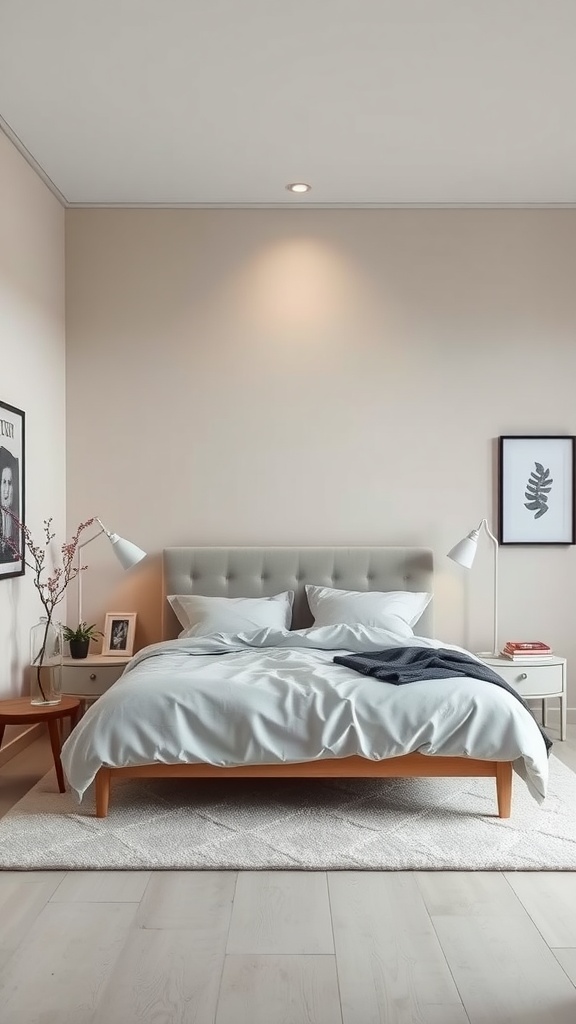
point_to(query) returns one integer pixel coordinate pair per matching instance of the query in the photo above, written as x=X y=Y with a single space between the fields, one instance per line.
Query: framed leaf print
x=536 y=489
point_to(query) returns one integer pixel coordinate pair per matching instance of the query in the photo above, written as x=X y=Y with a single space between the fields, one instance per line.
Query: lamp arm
x=79 y=568
x=484 y=524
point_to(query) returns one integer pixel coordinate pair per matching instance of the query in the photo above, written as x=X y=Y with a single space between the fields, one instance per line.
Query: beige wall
x=319 y=377
x=32 y=377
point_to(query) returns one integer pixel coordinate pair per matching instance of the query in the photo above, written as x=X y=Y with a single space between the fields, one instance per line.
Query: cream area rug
x=388 y=825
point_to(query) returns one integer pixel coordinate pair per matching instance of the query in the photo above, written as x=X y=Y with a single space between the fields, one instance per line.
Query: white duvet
x=275 y=696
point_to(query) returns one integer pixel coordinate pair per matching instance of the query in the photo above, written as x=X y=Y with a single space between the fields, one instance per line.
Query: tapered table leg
x=55 y=744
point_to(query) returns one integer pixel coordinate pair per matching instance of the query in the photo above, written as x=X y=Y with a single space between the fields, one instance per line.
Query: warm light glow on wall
x=300 y=284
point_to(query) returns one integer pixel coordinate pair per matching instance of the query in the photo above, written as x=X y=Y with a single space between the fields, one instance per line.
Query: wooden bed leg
x=504 y=788
x=103 y=779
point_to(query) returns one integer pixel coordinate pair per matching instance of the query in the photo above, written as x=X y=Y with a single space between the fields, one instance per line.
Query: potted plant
x=79 y=638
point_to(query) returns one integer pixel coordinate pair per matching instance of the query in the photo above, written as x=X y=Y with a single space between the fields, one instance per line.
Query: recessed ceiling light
x=298 y=186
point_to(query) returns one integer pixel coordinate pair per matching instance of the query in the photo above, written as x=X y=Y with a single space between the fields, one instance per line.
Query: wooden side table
x=21 y=712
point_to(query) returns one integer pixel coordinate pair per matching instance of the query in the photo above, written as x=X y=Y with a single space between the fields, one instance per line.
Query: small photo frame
x=119 y=630
x=536 y=489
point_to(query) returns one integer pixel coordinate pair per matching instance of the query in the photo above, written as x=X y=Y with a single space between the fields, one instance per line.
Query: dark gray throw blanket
x=401 y=665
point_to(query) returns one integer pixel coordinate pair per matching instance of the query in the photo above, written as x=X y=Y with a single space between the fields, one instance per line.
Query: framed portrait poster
x=119 y=630
x=12 y=478
x=536 y=490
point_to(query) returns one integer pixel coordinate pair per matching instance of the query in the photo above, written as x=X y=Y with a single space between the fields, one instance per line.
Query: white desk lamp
x=127 y=553
x=464 y=554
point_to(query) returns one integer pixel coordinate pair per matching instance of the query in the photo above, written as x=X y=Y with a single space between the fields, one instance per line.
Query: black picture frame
x=536 y=489
x=12 y=485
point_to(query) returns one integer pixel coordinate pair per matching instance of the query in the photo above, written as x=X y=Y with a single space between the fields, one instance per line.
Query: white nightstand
x=88 y=678
x=535 y=681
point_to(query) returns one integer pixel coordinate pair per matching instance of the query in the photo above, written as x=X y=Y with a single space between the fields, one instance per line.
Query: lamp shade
x=127 y=553
x=464 y=552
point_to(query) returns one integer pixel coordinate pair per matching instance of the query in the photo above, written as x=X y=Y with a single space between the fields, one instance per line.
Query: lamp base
x=487 y=654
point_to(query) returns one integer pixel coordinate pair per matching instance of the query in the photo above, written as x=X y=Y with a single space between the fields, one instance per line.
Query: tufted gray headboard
x=261 y=572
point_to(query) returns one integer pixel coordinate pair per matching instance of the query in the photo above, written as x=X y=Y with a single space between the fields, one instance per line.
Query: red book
x=527 y=646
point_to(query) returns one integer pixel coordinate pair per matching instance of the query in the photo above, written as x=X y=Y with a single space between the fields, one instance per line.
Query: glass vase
x=45 y=662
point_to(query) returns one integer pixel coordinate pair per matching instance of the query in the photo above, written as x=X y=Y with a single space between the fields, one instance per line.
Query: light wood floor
x=283 y=947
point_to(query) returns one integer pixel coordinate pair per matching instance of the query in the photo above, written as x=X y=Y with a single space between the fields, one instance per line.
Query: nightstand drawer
x=532 y=680
x=89 y=680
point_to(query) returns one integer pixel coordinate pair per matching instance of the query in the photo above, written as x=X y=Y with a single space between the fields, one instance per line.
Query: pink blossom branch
x=50 y=589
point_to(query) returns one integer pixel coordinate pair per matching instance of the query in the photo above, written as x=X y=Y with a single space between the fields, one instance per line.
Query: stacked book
x=527 y=650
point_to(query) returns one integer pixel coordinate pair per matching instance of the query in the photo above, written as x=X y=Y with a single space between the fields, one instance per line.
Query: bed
x=175 y=711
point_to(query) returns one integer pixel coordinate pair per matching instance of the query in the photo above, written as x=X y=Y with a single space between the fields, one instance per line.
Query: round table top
x=20 y=707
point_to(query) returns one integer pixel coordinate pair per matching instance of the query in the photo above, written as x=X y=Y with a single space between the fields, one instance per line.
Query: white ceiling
x=193 y=102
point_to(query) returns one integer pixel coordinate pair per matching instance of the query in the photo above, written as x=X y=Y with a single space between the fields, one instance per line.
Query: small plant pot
x=79 y=648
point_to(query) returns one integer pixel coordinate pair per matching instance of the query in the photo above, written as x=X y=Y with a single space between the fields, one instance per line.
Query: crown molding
x=19 y=145
x=323 y=206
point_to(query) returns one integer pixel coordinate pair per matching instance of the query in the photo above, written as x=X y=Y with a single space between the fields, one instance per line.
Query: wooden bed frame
x=256 y=572
x=407 y=766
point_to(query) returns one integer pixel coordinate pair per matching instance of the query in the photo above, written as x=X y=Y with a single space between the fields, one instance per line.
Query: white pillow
x=330 y=607
x=201 y=615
